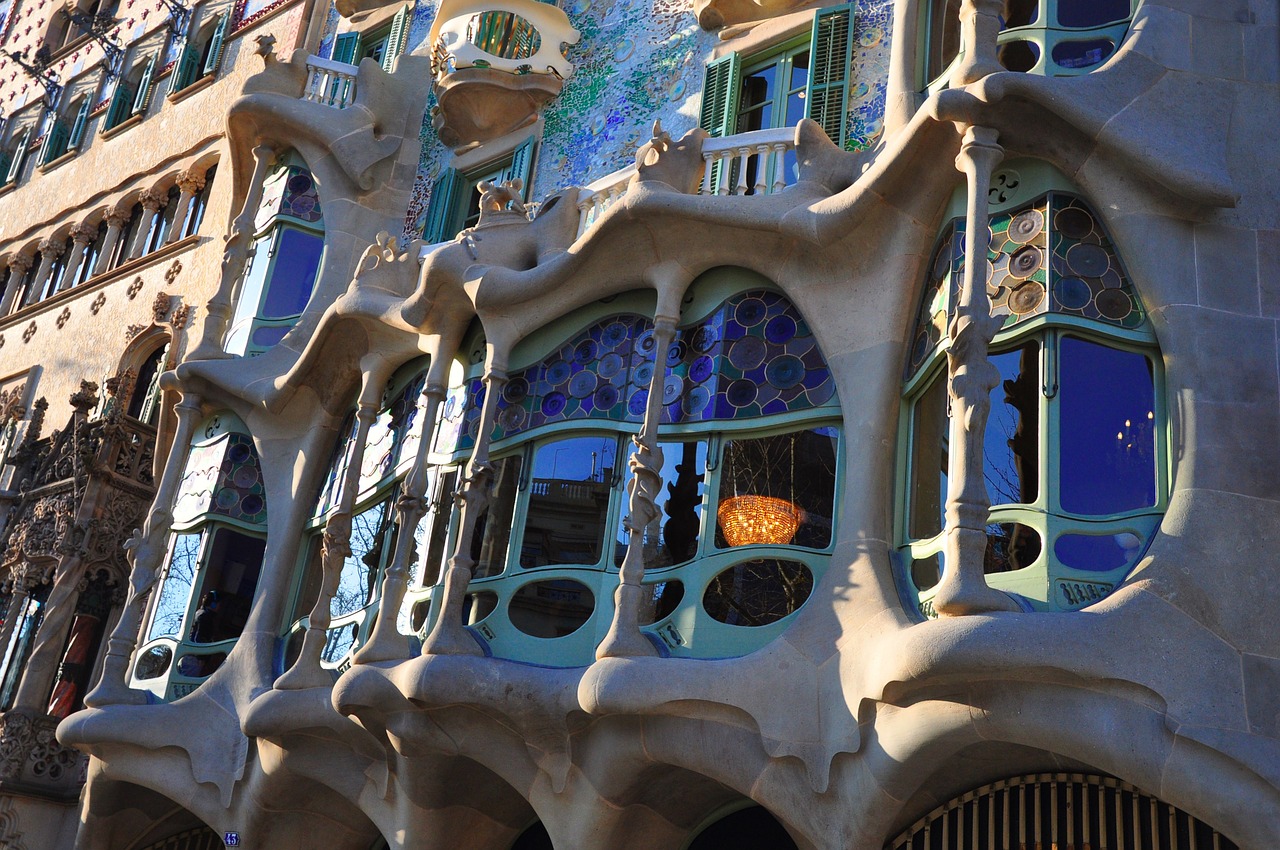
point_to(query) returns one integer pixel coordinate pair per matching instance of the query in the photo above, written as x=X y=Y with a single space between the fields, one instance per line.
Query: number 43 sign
x=231 y=839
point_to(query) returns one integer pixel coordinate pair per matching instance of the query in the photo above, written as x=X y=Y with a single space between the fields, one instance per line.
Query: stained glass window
x=223 y=478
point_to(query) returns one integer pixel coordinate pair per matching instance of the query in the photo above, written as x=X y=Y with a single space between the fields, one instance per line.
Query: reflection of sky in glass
x=338 y=642
x=1010 y=457
x=580 y=459
x=175 y=592
x=1107 y=428
x=569 y=501
x=354 y=584
x=672 y=455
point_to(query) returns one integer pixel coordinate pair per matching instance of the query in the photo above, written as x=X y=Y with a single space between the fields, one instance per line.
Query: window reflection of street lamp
x=748 y=520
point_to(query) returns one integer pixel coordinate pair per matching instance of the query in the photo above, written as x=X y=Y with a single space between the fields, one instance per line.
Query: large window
x=202 y=600
x=284 y=261
x=132 y=94
x=382 y=44
x=1074 y=444
x=201 y=55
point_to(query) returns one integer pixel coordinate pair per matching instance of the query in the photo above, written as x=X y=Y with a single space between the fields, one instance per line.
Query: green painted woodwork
x=831 y=54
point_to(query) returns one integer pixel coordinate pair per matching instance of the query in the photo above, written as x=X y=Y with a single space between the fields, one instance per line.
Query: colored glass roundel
x=223 y=478
x=1052 y=255
x=754 y=355
x=291 y=192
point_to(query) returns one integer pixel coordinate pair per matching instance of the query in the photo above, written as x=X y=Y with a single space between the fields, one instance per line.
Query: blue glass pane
x=297 y=261
x=1091 y=13
x=1010 y=457
x=672 y=537
x=360 y=568
x=569 y=501
x=175 y=591
x=1098 y=552
x=1107 y=428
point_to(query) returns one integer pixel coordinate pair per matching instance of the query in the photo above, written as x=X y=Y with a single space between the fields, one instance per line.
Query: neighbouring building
x=641 y=425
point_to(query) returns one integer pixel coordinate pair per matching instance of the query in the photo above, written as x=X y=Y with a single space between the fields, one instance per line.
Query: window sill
x=8 y=187
x=199 y=85
x=112 y=132
x=54 y=163
x=100 y=281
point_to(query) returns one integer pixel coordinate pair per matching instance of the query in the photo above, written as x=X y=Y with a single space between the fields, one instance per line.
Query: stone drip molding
x=858 y=712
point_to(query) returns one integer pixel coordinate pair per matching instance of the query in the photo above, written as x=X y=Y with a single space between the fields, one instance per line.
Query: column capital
x=21 y=262
x=152 y=200
x=52 y=248
x=117 y=216
x=190 y=182
x=83 y=234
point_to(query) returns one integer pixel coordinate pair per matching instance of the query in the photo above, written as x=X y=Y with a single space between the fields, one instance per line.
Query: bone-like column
x=386 y=643
x=146 y=548
x=624 y=638
x=306 y=672
x=979 y=26
x=116 y=220
x=19 y=265
x=234 y=257
x=448 y=636
x=190 y=184
x=971 y=378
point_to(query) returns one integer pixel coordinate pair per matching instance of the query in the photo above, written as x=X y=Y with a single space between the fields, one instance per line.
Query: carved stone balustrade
x=330 y=83
x=496 y=63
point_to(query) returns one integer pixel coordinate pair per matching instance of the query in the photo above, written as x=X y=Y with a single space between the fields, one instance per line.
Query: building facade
x=597 y=425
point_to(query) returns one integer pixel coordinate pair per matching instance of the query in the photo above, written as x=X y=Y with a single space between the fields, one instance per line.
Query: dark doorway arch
x=533 y=838
x=752 y=828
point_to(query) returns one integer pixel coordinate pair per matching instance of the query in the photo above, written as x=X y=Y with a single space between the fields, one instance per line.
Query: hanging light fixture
x=751 y=519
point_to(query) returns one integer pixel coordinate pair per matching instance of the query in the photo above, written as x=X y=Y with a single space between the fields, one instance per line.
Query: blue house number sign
x=232 y=839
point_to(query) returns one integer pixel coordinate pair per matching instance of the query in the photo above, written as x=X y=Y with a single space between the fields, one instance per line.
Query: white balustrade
x=764 y=149
x=454 y=31
x=597 y=197
x=330 y=83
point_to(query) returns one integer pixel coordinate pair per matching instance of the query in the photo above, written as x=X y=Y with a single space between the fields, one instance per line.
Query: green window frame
x=455 y=195
x=383 y=45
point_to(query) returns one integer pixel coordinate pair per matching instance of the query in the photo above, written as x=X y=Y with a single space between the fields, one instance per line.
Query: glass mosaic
x=752 y=356
x=223 y=478
x=289 y=192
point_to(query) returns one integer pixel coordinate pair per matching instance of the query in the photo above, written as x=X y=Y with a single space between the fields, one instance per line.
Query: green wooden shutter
x=55 y=143
x=719 y=112
x=19 y=156
x=80 y=125
x=121 y=100
x=830 y=54
x=345 y=48
x=182 y=69
x=143 y=98
x=216 y=43
x=442 y=211
x=396 y=40
x=521 y=167
x=4 y=166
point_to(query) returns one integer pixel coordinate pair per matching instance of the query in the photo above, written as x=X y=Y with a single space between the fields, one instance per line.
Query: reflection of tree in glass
x=798 y=467
x=359 y=569
x=1010 y=467
x=179 y=578
x=756 y=593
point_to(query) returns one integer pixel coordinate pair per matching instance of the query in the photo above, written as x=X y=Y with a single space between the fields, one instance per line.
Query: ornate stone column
x=448 y=636
x=190 y=184
x=146 y=548
x=19 y=265
x=979 y=26
x=386 y=643
x=234 y=257
x=306 y=672
x=972 y=376
x=116 y=219
x=152 y=203
x=50 y=251
x=82 y=236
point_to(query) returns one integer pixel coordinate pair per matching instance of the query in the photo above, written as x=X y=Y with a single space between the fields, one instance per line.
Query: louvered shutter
x=345 y=48
x=183 y=70
x=521 y=167
x=442 y=211
x=19 y=156
x=720 y=102
x=830 y=54
x=396 y=40
x=143 y=98
x=81 y=124
x=216 y=44
x=55 y=143
x=121 y=100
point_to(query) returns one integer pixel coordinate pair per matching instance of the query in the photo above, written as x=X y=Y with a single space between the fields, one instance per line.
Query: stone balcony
x=496 y=64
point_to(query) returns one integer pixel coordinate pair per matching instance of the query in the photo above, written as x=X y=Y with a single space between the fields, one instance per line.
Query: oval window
x=1098 y=552
x=552 y=608
x=154 y=662
x=758 y=592
x=504 y=34
x=1019 y=55
x=475 y=607
x=1082 y=54
x=1010 y=546
x=926 y=571
x=199 y=666
x=660 y=601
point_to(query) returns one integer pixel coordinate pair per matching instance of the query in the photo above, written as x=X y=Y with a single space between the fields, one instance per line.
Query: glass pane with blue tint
x=360 y=568
x=338 y=642
x=672 y=537
x=1091 y=13
x=551 y=609
x=569 y=501
x=1098 y=552
x=778 y=490
x=929 y=459
x=230 y=578
x=1082 y=54
x=1011 y=457
x=1107 y=462
x=1010 y=546
x=297 y=261
x=493 y=531
x=1019 y=13
x=175 y=591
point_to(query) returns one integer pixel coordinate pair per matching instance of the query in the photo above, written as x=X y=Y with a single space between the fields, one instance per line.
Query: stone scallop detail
x=754 y=355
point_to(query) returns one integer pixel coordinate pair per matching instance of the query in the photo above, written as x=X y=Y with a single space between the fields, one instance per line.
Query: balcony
x=330 y=83
x=496 y=64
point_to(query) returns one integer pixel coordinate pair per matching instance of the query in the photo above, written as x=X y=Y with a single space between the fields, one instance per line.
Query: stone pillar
x=82 y=236
x=234 y=257
x=152 y=203
x=448 y=636
x=306 y=672
x=190 y=184
x=386 y=643
x=50 y=251
x=19 y=265
x=972 y=376
x=116 y=219
x=979 y=26
x=146 y=548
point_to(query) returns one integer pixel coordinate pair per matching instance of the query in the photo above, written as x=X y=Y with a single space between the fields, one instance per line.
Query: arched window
x=92 y=252
x=128 y=232
x=1051 y=37
x=28 y=280
x=201 y=602
x=144 y=400
x=161 y=222
x=284 y=261
x=132 y=95
x=1074 y=446
x=199 y=204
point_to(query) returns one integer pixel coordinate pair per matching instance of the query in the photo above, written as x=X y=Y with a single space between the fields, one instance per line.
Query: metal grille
x=1059 y=811
x=201 y=838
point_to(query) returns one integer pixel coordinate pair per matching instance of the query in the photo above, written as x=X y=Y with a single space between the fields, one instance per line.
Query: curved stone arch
x=741 y=817
x=10 y=836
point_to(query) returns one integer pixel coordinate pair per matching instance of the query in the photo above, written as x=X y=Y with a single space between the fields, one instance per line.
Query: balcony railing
x=515 y=36
x=330 y=83
x=760 y=162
